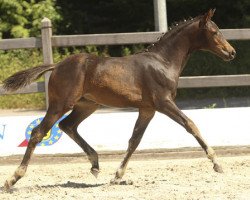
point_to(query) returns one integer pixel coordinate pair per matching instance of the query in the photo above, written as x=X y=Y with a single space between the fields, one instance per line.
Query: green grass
x=13 y=61
x=27 y=101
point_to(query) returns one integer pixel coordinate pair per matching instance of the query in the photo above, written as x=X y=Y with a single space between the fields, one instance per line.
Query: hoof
x=95 y=172
x=218 y=168
x=7 y=186
x=116 y=181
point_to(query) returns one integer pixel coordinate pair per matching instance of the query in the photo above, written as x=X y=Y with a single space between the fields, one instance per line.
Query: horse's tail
x=25 y=77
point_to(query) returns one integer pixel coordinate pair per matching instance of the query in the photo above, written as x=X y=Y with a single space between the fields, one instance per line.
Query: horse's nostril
x=233 y=53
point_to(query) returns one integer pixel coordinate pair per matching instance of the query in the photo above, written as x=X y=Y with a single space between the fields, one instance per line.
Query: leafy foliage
x=105 y=16
x=23 y=18
x=11 y=62
x=229 y=13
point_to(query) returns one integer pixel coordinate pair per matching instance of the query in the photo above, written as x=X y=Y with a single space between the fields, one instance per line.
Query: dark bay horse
x=147 y=80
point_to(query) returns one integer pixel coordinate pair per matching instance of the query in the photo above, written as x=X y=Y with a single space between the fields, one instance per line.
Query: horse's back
x=113 y=81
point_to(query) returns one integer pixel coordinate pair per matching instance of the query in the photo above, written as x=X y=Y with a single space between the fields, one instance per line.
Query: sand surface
x=153 y=178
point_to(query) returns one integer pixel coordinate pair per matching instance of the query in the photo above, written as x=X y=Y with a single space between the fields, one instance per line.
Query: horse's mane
x=173 y=29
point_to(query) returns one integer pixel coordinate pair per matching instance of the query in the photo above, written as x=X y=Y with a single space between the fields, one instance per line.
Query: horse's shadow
x=70 y=184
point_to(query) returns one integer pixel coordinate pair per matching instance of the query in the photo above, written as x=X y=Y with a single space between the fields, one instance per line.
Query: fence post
x=160 y=15
x=47 y=51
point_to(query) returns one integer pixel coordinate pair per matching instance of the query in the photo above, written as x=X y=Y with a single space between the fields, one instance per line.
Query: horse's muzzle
x=228 y=55
x=232 y=54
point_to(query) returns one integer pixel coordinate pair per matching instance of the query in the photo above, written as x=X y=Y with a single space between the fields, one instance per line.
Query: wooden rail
x=32 y=88
x=184 y=82
x=106 y=39
x=131 y=38
x=214 y=81
x=20 y=43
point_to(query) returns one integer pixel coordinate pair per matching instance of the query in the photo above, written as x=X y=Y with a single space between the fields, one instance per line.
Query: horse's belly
x=123 y=98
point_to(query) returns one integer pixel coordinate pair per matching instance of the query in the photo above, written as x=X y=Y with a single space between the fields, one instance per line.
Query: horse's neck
x=176 y=49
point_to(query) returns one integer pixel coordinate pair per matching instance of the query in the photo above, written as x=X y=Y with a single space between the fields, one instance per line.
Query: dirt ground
x=153 y=177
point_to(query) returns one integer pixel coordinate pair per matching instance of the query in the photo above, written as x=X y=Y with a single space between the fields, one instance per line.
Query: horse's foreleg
x=170 y=109
x=36 y=136
x=142 y=122
x=69 y=125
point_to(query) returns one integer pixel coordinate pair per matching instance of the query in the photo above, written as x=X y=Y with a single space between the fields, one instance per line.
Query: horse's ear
x=206 y=17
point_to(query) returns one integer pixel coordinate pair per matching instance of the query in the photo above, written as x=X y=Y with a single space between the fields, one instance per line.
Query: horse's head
x=212 y=38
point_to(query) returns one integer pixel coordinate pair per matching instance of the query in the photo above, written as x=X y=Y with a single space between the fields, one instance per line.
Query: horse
x=146 y=81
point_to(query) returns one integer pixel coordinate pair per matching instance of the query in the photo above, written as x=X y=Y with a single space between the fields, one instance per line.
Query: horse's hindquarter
x=67 y=79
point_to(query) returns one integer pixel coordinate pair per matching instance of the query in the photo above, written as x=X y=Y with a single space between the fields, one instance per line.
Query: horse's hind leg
x=36 y=136
x=142 y=122
x=69 y=125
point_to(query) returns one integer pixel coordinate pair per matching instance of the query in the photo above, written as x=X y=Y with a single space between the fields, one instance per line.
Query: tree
x=106 y=16
x=229 y=13
x=22 y=18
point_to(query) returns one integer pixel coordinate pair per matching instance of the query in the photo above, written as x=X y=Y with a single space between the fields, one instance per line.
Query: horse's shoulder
x=158 y=73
